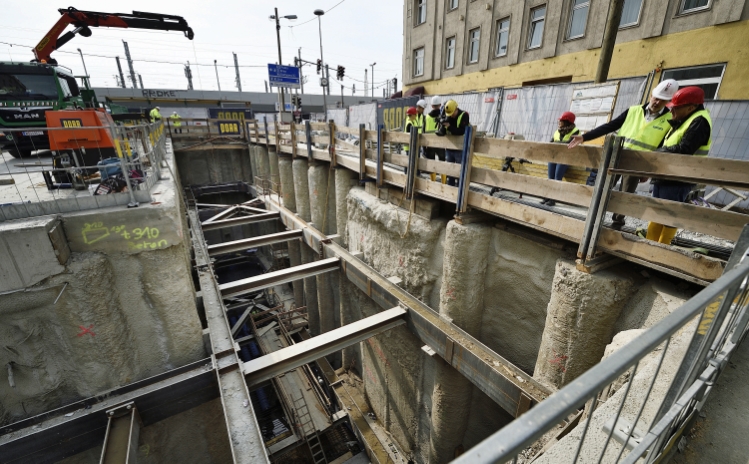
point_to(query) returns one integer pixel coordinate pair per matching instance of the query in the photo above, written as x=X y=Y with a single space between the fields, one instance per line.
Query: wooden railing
x=377 y=147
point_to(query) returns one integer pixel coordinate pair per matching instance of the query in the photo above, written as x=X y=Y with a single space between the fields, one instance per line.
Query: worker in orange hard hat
x=566 y=130
x=690 y=134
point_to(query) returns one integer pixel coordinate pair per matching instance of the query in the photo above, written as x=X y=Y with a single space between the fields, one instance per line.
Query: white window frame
x=448 y=55
x=702 y=80
x=572 y=15
x=470 y=45
x=450 y=4
x=418 y=73
x=421 y=12
x=530 y=27
x=497 y=54
x=637 y=21
x=682 y=11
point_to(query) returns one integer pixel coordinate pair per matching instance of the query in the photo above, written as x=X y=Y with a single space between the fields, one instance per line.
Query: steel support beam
x=245 y=437
x=254 y=242
x=271 y=365
x=253 y=284
x=121 y=440
x=55 y=435
x=239 y=221
x=501 y=380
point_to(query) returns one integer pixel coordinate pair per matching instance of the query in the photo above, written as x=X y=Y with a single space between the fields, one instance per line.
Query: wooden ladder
x=309 y=432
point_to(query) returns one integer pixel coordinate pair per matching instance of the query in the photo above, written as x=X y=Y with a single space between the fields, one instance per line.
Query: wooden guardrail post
x=464 y=181
x=293 y=139
x=331 y=143
x=308 y=135
x=608 y=184
x=380 y=155
x=362 y=152
x=265 y=124
x=275 y=131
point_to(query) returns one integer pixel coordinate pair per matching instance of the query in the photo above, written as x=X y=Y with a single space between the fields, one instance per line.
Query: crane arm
x=83 y=21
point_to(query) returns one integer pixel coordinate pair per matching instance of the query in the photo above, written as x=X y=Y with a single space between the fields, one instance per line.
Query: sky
x=355 y=34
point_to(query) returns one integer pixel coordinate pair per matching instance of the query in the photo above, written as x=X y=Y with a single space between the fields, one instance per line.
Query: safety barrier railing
x=68 y=169
x=637 y=402
x=375 y=155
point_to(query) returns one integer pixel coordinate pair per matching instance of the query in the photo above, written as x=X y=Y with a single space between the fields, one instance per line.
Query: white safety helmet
x=436 y=101
x=422 y=103
x=666 y=89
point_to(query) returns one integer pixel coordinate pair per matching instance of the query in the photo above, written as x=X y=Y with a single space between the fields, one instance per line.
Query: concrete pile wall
x=206 y=164
x=120 y=308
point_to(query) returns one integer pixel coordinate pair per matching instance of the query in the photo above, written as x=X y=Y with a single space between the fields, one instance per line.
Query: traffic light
x=319 y=66
x=296 y=62
x=340 y=71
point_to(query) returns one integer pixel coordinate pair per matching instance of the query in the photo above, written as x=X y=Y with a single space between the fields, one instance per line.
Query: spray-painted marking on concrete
x=369 y=374
x=708 y=316
x=138 y=238
x=86 y=330
x=378 y=351
x=559 y=360
x=450 y=294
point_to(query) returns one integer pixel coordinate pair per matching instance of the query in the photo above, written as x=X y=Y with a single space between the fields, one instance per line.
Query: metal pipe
x=281 y=102
x=218 y=82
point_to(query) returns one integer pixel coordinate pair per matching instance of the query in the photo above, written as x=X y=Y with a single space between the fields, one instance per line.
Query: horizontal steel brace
x=266 y=367
x=238 y=221
x=254 y=242
x=252 y=284
x=501 y=380
x=77 y=427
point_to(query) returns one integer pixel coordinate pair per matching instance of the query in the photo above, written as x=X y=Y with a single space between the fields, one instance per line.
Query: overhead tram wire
x=310 y=20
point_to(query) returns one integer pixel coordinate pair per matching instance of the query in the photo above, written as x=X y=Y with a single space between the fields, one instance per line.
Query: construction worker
x=690 y=134
x=155 y=114
x=411 y=123
x=421 y=105
x=455 y=123
x=431 y=121
x=176 y=123
x=566 y=130
x=643 y=127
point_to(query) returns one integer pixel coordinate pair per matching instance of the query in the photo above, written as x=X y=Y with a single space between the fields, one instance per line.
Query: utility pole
x=85 y=71
x=353 y=89
x=130 y=65
x=301 y=75
x=319 y=13
x=366 y=90
x=342 y=96
x=266 y=86
x=218 y=82
x=373 y=81
x=119 y=68
x=140 y=78
x=281 y=102
x=236 y=68
x=188 y=75
x=609 y=40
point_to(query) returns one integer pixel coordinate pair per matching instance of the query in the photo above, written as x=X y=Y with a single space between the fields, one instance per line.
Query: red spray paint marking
x=558 y=360
x=85 y=330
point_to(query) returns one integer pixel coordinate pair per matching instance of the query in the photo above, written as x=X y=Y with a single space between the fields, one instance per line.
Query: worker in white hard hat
x=175 y=122
x=155 y=114
x=431 y=122
x=644 y=127
x=421 y=105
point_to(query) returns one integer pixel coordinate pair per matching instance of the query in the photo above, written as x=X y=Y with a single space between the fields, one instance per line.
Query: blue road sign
x=283 y=76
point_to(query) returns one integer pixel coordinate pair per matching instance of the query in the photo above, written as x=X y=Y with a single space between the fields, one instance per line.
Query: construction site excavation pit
x=298 y=315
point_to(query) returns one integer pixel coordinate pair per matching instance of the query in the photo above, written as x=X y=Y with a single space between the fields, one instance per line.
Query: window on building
x=450 y=53
x=419 y=62
x=503 y=34
x=630 y=13
x=421 y=11
x=473 y=45
x=706 y=77
x=578 y=18
x=536 y=31
x=688 y=6
x=452 y=4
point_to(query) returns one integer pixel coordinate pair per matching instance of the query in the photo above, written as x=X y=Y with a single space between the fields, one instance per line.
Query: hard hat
x=568 y=116
x=450 y=107
x=687 y=96
x=666 y=89
x=436 y=101
x=174 y=112
x=158 y=108
x=422 y=103
x=411 y=111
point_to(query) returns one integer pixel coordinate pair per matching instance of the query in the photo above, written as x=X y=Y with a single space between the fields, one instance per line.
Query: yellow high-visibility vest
x=566 y=138
x=674 y=137
x=639 y=134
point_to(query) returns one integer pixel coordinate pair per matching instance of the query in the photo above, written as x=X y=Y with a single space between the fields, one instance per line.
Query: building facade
x=454 y=46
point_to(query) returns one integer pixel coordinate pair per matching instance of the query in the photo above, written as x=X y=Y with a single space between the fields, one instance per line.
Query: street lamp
x=280 y=61
x=319 y=13
x=373 y=65
x=85 y=71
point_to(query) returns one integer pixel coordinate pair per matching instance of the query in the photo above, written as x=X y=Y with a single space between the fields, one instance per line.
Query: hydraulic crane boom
x=83 y=21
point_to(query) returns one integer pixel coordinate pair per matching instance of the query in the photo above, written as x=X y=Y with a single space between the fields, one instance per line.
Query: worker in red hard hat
x=563 y=134
x=690 y=134
x=411 y=122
